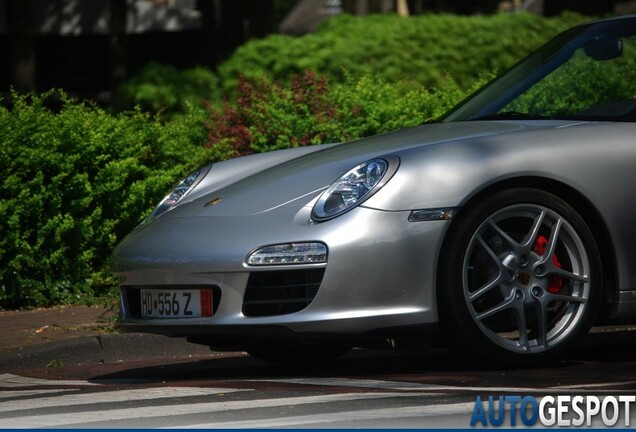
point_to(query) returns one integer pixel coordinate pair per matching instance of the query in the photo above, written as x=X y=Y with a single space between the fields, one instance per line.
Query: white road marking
x=113 y=396
x=23 y=413
x=596 y=385
x=32 y=420
x=11 y=381
x=346 y=416
x=408 y=386
x=358 y=383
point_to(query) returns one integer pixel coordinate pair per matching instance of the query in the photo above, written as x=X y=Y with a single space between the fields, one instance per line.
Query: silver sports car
x=505 y=226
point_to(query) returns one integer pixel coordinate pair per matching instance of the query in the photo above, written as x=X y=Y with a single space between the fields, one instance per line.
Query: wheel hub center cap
x=523 y=278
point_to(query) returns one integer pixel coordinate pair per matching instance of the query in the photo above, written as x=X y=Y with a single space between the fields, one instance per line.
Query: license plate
x=191 y=303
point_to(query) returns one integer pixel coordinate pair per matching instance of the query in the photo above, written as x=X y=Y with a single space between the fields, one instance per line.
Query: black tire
x=501 y=300
x=298 y=354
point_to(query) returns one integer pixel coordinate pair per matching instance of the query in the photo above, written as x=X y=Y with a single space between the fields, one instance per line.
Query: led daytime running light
x=289 y=253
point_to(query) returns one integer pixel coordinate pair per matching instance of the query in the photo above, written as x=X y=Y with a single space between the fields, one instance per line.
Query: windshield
x=586 y=73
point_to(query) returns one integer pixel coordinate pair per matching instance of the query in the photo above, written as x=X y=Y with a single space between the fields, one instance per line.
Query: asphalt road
x=365 y=389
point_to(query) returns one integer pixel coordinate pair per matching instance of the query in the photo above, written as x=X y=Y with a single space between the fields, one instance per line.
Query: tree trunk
x=402 y=8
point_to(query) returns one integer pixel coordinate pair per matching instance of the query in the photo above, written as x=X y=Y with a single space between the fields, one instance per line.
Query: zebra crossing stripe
x=112 y=397
x=323 y=419
x=422 y=387
x=69 y=417
x=595 y=385
x=357 y=383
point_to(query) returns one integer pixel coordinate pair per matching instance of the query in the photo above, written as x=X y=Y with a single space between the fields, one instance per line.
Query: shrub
x=425 y=50
x=165 y=89
x=268 y=116
x=74 y=183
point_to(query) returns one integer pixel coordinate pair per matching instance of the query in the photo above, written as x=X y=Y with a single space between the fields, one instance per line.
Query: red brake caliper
x=555 y=283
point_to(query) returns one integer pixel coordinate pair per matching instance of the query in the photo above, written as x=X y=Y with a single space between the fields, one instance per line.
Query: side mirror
x=604 y=47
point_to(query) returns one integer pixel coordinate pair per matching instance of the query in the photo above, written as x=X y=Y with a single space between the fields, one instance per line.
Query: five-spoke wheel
x=520 y=277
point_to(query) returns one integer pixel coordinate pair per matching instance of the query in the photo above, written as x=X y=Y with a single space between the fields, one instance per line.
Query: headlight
x=181 y=190
x=354 y=187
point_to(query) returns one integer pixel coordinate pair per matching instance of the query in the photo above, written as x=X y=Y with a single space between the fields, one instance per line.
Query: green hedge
x=164 y=89
x=410 y=53
x=425 y=50
x=310 y=110
x=74 y=182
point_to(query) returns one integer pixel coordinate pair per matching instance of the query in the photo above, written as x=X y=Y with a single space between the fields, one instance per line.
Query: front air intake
x=280 y=292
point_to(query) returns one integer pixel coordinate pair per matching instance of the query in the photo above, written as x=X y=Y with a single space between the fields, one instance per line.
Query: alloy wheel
x=526 y=278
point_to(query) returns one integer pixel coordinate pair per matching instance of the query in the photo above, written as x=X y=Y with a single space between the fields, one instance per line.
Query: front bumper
x=380 y=273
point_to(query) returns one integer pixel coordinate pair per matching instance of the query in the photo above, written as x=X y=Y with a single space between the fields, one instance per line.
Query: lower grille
x=280 y=292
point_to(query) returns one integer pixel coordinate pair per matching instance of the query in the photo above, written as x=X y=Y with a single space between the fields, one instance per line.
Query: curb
x=94 y=350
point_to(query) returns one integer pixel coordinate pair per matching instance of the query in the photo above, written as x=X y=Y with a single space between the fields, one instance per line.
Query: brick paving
x=40 y=326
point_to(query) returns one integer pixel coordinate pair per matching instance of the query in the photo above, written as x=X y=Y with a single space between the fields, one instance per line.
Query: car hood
x=299 y=180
